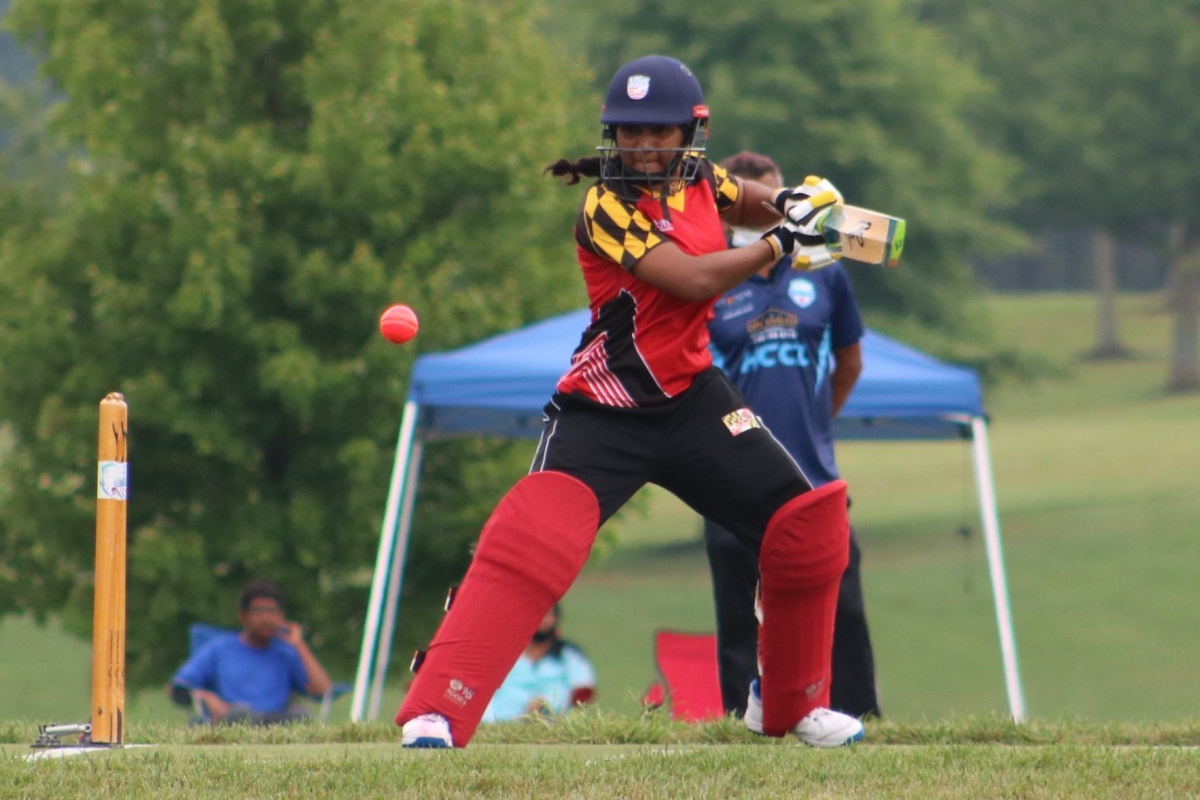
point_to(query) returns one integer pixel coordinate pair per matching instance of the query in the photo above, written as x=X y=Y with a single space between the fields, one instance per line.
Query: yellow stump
x=108 y=621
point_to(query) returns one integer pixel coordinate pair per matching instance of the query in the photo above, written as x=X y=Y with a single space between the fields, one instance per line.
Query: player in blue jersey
x=789 y=341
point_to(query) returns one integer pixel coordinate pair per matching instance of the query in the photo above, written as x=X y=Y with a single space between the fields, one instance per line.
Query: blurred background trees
x=206 y=205
x=249 y=186
x=1091 y=105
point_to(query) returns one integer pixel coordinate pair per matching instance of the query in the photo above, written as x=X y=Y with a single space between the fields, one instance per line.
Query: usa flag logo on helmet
x=637 y=87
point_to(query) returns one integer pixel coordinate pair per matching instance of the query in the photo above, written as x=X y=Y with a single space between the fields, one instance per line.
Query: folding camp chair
x=687 y=663
x=199 y=634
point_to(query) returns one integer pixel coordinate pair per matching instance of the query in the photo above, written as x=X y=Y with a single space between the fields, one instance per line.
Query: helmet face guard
x=652 y=91
x=682 y=167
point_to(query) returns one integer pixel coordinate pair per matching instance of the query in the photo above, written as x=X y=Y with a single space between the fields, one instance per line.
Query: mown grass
x=597 y=726
x=600 y=754
x=641 y=772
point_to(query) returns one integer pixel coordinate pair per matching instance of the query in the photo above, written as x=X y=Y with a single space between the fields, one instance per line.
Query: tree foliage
x=250 y=184
x=1095 y=106
x=1091 y=101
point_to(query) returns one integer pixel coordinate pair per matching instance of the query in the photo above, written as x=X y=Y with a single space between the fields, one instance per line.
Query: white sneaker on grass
x=427 y=730
x=821 y=728
x=754 y=713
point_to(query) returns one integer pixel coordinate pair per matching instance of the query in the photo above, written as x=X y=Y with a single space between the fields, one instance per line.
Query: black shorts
x=704 y=446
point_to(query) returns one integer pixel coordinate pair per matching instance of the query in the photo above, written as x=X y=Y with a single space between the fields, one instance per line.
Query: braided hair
x=586 y=167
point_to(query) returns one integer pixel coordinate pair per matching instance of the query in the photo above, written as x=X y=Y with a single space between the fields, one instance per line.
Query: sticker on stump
x=112 y=480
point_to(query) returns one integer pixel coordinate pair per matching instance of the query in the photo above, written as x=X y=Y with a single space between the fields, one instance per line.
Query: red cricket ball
x=399 y=324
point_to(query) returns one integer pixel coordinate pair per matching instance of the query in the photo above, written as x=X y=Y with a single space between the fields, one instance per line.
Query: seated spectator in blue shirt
x=252 y=676
x=552 y=676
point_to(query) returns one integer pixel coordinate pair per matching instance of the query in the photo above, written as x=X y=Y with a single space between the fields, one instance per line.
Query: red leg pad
x=804 y=552
x=531 y=549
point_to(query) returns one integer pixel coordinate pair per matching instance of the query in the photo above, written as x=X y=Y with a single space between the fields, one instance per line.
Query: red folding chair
x=687 y=663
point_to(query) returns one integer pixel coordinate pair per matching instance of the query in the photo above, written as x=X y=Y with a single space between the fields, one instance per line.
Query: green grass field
x=710 y=771
x=1096 y=476
x=600 y=754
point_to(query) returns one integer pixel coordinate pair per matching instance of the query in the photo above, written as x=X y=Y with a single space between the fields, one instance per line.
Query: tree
x=1092 y=93
x=250 y=185
x=860 y=92
x=1108 y=339
x=1183 y=300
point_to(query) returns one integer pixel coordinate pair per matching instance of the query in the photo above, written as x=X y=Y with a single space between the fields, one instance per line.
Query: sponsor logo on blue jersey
x=802 y=291
x=775 y=343
x=772 y=324
x=734 y=304
x=774 y=354
x=736 y=296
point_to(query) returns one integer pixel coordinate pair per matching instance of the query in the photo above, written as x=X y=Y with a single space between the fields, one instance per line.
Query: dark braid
x=586 y=167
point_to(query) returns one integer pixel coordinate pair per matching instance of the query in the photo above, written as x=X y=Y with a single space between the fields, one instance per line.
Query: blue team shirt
x=774 y=337
x=262 y=678
x=550 y=679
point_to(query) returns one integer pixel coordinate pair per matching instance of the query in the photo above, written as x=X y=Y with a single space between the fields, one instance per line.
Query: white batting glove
x=811 y=257
x=806 y=206
x=807 y=251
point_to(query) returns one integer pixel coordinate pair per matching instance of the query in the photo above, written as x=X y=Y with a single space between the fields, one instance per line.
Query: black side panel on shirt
x=616 y=320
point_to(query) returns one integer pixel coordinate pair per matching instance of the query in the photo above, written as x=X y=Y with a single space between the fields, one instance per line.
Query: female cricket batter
x=642 y=403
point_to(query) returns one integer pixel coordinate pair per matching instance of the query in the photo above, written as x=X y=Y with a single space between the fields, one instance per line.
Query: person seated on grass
x=552 y=676
x=252 y=676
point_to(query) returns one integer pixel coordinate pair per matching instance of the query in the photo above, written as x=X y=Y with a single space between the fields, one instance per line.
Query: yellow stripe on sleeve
x=618 y=232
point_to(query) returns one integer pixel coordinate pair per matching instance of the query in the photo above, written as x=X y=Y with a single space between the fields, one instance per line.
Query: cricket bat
x=864 y=235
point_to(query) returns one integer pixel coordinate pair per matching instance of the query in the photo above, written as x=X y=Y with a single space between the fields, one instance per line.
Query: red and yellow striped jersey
x=643 y=345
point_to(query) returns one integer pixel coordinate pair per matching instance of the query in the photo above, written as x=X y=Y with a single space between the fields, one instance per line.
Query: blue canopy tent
x=499 y=386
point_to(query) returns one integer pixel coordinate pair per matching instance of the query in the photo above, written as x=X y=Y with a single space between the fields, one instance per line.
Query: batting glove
x=813 y=257
x=807 y=205
x=807 y=251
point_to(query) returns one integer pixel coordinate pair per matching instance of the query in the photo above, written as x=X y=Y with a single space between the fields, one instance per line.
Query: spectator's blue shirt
x=263 y=678
x=550 y=679
x=775 y=338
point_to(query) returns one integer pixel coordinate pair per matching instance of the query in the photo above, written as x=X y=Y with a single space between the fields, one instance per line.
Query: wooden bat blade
x=864 y=235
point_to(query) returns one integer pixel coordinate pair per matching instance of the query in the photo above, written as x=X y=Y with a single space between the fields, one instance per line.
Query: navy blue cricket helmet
x=653 y=90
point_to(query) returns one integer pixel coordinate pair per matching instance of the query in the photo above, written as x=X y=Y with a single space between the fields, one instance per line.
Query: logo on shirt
x=726 y=313
x=734 y=304
x=802 y=292
x=458 y=692
x=664 y=225
x=771 y=319
x=740 y=421
x=736 y=296
x=637 y=87
x=771 y=354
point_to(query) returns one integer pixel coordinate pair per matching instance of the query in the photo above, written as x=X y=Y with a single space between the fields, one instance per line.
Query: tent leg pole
x=395 y=583
x=387 y=538
x=995 y=556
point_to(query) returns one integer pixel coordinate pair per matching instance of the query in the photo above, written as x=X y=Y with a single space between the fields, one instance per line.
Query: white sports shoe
x=427 y=730
x=754 y=714
x=821 y=728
